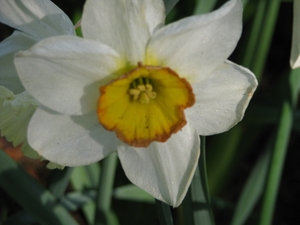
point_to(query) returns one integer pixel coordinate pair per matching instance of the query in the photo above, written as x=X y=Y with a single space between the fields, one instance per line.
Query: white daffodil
x=33 y=21
x=295 y=52
x=140 y=88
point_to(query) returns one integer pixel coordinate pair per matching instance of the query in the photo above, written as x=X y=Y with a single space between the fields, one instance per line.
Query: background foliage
x=253 y=170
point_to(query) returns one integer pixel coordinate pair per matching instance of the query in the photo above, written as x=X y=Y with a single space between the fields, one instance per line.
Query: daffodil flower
x=33 y=21
x=140 y=88
x=295 y=52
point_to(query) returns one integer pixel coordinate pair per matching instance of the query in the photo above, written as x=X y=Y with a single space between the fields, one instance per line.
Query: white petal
x=8 y=48
x=64 y=73
x=164 y=170
x=69 y=140
x=295 y=53
x=37 y=18
x=195 y=46
x=221 y=99
x=123 y=25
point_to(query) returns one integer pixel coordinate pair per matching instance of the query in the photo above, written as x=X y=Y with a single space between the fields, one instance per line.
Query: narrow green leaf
x=204 y=6
x=187 y=205
x=132 y=193
x=197 y=203
x=225 y=150
x=107 y=176
x=200 y=192
x=276 y=166
x=169 y=4
x=86 y=178
x=255 y=33
x=164 y=213
x=261 y=35
x=60 y=181
x=74 y=200
x=280 y=149
x=31 y=195
x=253 y=189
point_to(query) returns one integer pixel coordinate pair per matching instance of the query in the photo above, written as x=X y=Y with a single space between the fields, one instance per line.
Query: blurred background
x=232 y=157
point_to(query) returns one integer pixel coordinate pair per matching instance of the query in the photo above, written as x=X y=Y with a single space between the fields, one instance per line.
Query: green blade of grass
x=280 y=149
x=204 y=6
x=164 y=213
x=105 y=188
x=255 y=33
x=86 y=178
x=197 y=204
x=253 y=189
x=60 y=181
x=131 y=192
x=31 y=195
x=261 y=36
x=265 y=37
x=169 y=5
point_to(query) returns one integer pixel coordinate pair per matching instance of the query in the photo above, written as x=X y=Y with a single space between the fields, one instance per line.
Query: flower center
x=145 y=105
x=142 y=90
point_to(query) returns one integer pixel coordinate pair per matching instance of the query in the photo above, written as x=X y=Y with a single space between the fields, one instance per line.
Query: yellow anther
x=151 y=94
x=133 y=91
x=141 y=87
x=149 y=87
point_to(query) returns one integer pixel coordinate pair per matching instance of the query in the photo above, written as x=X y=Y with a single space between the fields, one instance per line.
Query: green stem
x=265 y=37
x=164 y=213
x=276 y=165
x=203 y=176
x=255 y=33
x=197 y=206
x=280 y=149
x=105 y=189
x=60 y=181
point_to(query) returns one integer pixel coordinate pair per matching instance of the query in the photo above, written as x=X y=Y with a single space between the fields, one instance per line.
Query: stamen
x=149 y=87
x=142 y=90
x=141 y=87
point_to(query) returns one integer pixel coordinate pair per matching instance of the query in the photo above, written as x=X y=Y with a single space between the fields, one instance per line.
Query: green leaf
x=204 y=6
x=253 y=189
x=60 y=181
x=86 y=178
x=280 y=149
x=133 y=193
x=104 y=215
x=31 y=195
x=169 y=4
x=74 y=200
x=164 y=213
x=197 y=204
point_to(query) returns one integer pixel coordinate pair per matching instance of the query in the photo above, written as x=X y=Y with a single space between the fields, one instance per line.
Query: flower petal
x=195 y=46
x=133 y=22
x=69 y=140
x=8 y=48
x=221 y=99
x=295 y=53
x=164 y=170
x=64 y=73
x=37 y=18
